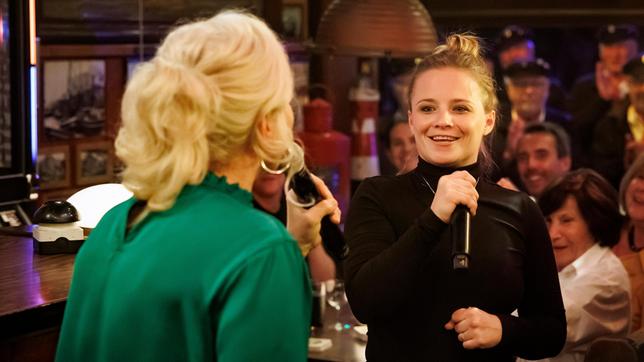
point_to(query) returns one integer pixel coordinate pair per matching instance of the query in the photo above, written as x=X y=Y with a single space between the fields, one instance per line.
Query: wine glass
x=337 y=299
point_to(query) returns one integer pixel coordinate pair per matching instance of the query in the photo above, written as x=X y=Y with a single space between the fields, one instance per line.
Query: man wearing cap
x=619 y=135
x=527 y=85
x=516 y=44
x=593 y=95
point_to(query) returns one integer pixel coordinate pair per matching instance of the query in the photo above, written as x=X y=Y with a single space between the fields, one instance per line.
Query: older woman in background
x=631 y=244
x=584 y=222
x=188 y=270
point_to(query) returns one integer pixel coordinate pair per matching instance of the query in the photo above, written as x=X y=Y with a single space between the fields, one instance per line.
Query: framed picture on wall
x=294 y=20
x=80 y=91
x=53 y=167
x=74 y=99
x=94 y=163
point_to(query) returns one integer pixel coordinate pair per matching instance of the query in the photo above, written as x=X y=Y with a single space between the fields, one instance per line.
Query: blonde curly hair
x=199 y=102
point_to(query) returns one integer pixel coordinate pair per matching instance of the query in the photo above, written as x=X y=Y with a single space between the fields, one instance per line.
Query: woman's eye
x=461 y=109
x=427 y=108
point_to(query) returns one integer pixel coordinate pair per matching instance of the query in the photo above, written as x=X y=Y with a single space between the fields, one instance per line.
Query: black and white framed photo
x=53 y=167
x=74 y=99
x=94 y=163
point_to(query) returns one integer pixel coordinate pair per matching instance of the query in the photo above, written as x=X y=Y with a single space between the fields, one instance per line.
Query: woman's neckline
x=432 y=173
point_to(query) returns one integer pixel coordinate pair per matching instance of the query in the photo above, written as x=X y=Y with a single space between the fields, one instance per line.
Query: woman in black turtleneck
x=399 y=274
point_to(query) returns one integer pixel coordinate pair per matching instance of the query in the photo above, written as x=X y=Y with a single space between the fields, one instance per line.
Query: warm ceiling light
x=401 y=28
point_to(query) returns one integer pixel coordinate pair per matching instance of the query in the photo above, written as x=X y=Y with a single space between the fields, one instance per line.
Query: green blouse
x=210 y=279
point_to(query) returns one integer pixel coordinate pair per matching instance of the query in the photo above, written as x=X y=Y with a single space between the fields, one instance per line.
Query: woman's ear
x=490 y=120
x=265 y=126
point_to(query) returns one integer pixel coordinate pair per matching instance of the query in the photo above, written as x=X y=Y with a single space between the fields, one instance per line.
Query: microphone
x=460 y=225
x=332 y=237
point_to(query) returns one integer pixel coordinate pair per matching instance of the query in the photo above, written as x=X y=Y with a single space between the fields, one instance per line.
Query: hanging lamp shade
x=376 y=28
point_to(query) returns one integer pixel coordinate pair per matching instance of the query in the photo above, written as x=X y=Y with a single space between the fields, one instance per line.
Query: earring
x=272 y=171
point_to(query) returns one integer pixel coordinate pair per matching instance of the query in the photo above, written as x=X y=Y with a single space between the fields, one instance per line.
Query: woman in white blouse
x=583 y=220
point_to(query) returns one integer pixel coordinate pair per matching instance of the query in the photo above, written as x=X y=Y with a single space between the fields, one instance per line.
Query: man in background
x=543 y=155
x=619 y=135
x=594 y=95
x=528 y=86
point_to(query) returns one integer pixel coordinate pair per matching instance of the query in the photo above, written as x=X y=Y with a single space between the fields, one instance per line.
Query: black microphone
x=460 y=225
x=332 y=237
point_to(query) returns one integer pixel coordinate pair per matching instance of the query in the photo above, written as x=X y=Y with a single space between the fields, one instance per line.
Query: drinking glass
x=337 y=299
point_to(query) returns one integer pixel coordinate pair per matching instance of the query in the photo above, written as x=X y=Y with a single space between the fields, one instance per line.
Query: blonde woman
x=187 y=270
x=399 y=274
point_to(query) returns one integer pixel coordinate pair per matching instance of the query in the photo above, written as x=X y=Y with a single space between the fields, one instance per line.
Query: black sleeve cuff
x=429 y=223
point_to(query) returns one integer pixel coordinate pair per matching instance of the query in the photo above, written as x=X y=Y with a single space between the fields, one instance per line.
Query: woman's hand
x=476 y=328
x=459 y=187
x=304 y=224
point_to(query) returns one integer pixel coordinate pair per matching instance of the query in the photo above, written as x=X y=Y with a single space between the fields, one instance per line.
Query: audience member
x=397 y=139
x=594 y=94
x=516 y=44
x=188 y=270
x=583 y=219
x=268 y=196
x=400 y=277
x=400 y=146
x=630 y=248
x=543 y=156
x=527 y=84
x=619 y=135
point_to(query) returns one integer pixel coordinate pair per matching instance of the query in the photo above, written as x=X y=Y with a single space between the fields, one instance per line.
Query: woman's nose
x=444 y=119
x=553 y=230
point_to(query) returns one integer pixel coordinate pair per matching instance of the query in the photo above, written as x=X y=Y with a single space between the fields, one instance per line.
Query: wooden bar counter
x=33 y=290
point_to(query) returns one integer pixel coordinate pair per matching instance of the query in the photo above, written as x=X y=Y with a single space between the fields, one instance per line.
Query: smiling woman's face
x=569 y=233
x=447 y=117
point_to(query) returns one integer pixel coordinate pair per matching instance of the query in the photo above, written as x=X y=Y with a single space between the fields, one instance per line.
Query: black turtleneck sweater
x=400 y=280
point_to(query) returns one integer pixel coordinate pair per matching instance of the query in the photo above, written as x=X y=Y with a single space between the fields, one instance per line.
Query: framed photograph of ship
x=94 y=163
x=54 y=167
x=74 y=99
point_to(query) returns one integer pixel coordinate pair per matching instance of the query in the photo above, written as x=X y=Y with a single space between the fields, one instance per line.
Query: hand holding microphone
x=310 y=203
x=456 y=200
x=457 y=188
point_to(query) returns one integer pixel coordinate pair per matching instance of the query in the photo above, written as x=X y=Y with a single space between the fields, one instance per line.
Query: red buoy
x=327 y=151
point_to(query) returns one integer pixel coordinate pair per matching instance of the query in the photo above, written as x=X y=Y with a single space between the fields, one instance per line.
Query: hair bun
x=463 y=43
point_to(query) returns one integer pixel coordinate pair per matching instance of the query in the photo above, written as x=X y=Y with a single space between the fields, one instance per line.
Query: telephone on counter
x=308 y=195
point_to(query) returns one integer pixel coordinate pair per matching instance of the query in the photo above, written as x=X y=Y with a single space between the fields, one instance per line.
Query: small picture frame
x=294 y=20
x=74 y=98
x=94 y=163
x=53 y=167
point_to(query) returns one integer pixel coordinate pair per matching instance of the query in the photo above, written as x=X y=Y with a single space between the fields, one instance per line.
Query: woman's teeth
x=443 y=138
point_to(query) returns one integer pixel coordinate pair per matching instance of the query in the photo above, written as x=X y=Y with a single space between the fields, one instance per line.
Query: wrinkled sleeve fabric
x=375 y=252
x=265 y=310
x=541 y=313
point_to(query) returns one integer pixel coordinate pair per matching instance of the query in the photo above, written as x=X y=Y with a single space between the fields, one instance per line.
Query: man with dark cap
x=528 y=86
x=516 y=44
x=619 y=135
x=594 y=94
